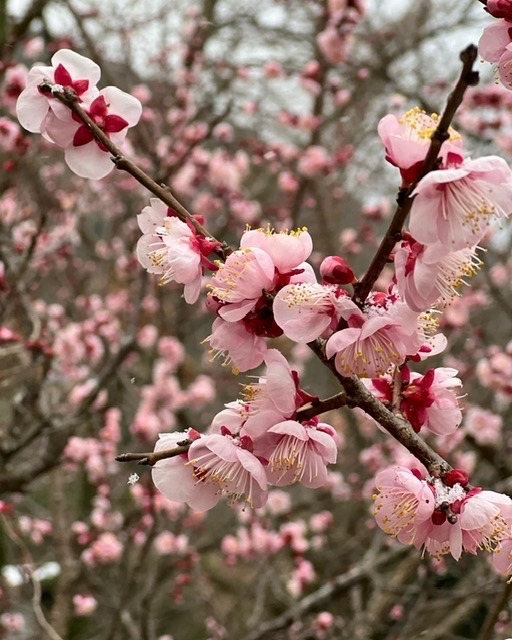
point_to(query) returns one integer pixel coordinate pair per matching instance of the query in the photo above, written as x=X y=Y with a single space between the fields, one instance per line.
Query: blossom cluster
x=266 y=289
x=254 y=442
x=444 y=515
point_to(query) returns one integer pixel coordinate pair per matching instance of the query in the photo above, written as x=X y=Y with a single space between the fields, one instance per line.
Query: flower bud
x=335 y=270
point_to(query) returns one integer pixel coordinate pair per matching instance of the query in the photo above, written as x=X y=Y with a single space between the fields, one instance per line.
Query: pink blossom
x=175 y=478
x=453 y=207
x=407 y=140
x=288 y=182
x=236 y=345
x=84 y=605
x=404 y=503
x=241 y=280
x=324 y=620
x=274 y=398
x=300 y=453
x=214 y=465
x=332 y=45
x=485 y=427
x=287 y=249
x=106 y=549
x=69 y=71
x=171 y=248
x=313 y=161
x=228 y=465
x=226 y=172
x=502 y=557
x=305 y=311
x=494 y=41
x=375 y=339
x=12 y=622
x=444 y=517
x=500 y=8
x=336 y=270
x=424 y=277
x=426 y=400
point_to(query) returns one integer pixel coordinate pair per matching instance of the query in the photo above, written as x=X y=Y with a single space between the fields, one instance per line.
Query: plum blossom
x=502 y=557
x=424 y=278
x=171 y=248
x=175 y=478
x=288 y=250
x=453 y=207
x=484 y=426
x=274 y=398
x=70 y=71
x=500 y=8
x=443 y=516
x=426 y=400
x=407 y=139
x=241 y=291
x=335 y=270
x=240 y=281
x=381 y=335
x=404 y=503
x=216 y=464
x=114 y=112
x=494 y=41
x=238 y=347
x=305 y=310
x=300 y=452
x=228 y=464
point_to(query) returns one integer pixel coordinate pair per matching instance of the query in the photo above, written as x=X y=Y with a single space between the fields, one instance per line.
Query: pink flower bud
x=455 y=476
x=335 y=270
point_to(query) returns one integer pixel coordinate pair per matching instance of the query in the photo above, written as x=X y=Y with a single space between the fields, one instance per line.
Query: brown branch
x=487 y=631
x=467 y=78
x=153 y=457
x=333 y=587
x=123 y=163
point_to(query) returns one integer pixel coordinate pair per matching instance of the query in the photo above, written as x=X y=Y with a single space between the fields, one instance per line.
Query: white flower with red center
x=173 y=249
x=381 y=336
x=69 y=71
x=454 y=206
x=228 y=464
x=426 y=400
x=425 y=278
x=114 y=112
x=304 y=311
x=299 y=453
x=407 y=140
